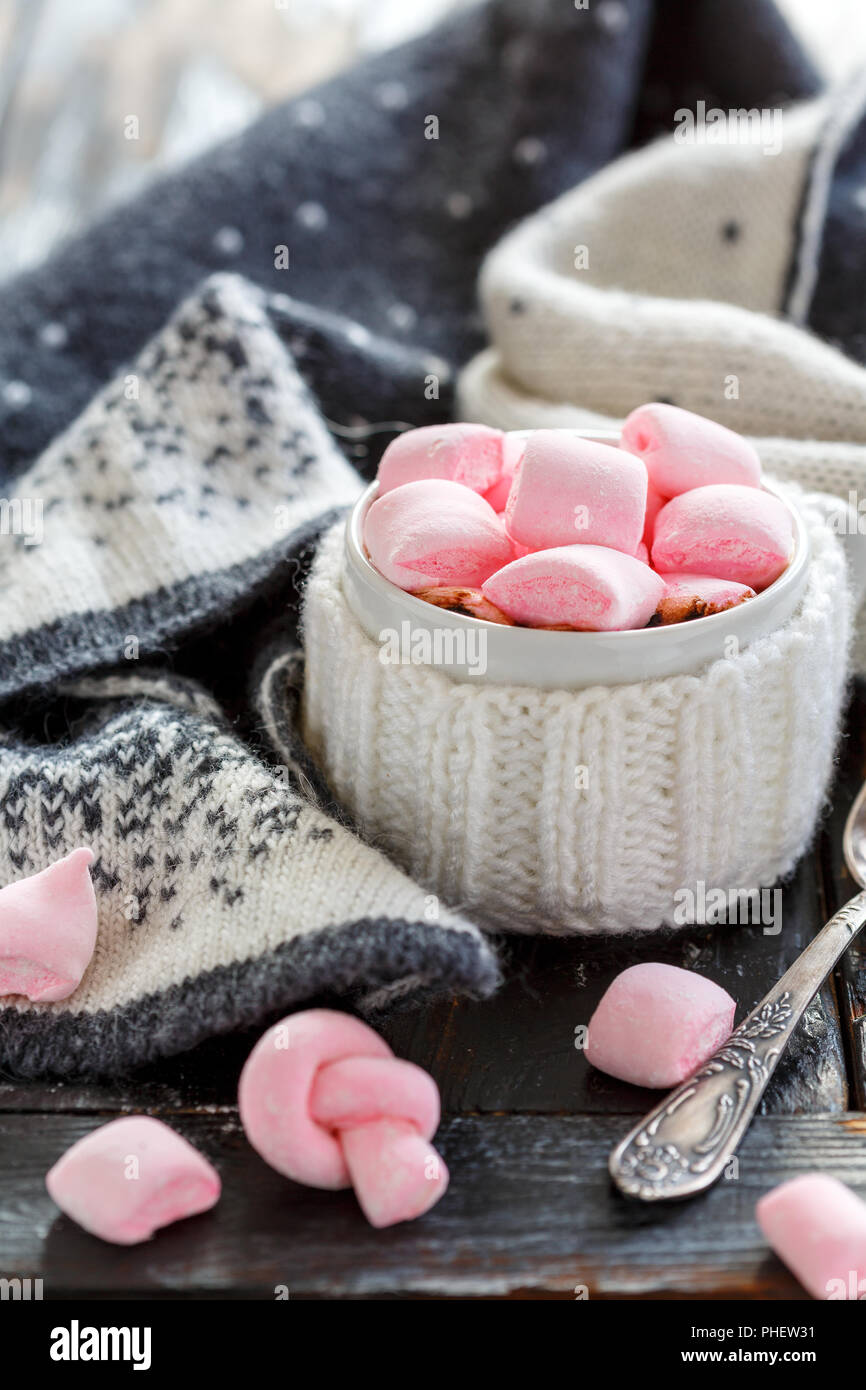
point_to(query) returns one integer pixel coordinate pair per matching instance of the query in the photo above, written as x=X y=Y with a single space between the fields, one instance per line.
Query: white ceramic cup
x=469 y=649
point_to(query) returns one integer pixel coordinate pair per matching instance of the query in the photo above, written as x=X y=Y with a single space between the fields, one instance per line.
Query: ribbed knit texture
x=715 y=778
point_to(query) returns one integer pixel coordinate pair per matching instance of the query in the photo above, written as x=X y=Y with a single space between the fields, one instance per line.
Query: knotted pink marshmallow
x=569 y=490
x=124 y=1180
x=468 y=454
x=655 y=1024
x=48 y=930
x=690 y=596
x=817 y=1226
x=435 y=532
x=683 y=451
x=513 y=446
x=586 y=587
x=324 y=1100
x=727 y=532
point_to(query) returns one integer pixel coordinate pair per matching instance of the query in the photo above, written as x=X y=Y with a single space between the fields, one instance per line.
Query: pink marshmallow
x=682 y=450
x=497 y=496
x=124 y=1180
x=513 y=446
x=48 y=930
x=569 y=490
x=435 y=532
x=726 y=532
x=654 y=503
x=586 y=587
x=689 y=596
x=655 y=1024
x=324 y=1101
x=817 y=1226
x=468 y=454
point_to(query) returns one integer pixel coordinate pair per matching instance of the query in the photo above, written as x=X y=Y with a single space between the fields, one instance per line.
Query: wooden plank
x=517 y=1052
x=530 y=1213
x=838 y=886
x=203 y=1081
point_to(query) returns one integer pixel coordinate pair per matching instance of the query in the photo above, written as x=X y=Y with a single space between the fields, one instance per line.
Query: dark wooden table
x=527 y=1129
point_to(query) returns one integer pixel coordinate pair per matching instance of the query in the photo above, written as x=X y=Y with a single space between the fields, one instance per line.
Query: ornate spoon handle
x=682 y=1145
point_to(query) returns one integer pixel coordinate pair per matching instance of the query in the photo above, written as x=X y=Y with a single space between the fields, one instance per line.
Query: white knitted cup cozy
x=583 y=811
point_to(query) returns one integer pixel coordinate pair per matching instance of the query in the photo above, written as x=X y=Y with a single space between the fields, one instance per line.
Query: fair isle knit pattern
x=715 y=778
x=184 y=484
x=224 y=890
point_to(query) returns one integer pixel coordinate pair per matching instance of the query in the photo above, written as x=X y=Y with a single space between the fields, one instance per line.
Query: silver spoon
x=684 y=1144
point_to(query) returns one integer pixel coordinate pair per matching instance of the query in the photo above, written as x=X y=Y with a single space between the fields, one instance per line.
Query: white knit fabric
x=716 y=778
x=688 y=249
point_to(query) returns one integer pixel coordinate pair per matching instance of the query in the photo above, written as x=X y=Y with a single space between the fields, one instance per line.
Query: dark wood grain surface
x=527 y=1130
x=530 y=1214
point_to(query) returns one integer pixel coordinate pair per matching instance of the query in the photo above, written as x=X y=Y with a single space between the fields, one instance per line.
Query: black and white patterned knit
x=182 y=404
x=224 y=888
